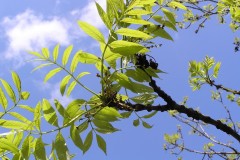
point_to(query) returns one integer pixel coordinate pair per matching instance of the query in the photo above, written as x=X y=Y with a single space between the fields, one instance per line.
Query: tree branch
x=172 y=105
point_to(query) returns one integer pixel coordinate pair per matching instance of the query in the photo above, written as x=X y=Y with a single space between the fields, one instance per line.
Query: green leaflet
x=88 y=142
x=104 y=16
x=109 y=56
x=101 y=143
x=49 y=113
x=51 y=73
x=24 y=95
x=175 y=4
x=9 y=90
x=88 y=58
x=138 y=75
x=150 y=115
x=216 y=69
x=41 y=66
x=133 y=33
x=74 y=63
x=71 y=87
x=17 y=138
x=61 y=110
x=45 y=53
x=82 y=127
x=37 y=116
x=8 y=145
x=64 y=83
x=36 y=54
x=136 y=21
x=136 y=122
x=26 y=107
x=80 y=75
x=11 y=124
x=66 y=54
x=141 y=88
x=104 y=126
x=16 y=81
x=166 y=23
x=20 y=117
x=145 y=98
x=146 y=125
x=39 y=150
x=91 y=31
x=3 y=99
x=108 y=114
x=55 y=52
x=124 y=81
x=126 y=48
x=138 y=12
x=158 y=31
x=25 y=150
x=74 y=107
x=75 y=136
x=169 y=15
x=61 y=147
x=133 y=4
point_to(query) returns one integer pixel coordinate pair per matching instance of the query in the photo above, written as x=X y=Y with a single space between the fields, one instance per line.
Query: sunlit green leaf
x=64 y=83
x=8 y=145
x=61 y=147
x=20 y=117
x=174 y=4
x=3 y=99
x=49 y=113
x=9 y=90
x=74 y=107
x=39 y=150
x=216 y=69
x=104 y=16
x=126 y=48
x=37 y=116
x=61 y=110
x=133 y=33
x=66 y=54
x=101 y=143
x=138 y=12
x=26 y=107
x=158 y=31
x=104 y=125
x=91 y=31
x=169 y=15
x=45 y=52
x=41 y=66
x=55 y=52
x=25 y=151
x=52 y=73
x=88 y=58
x=136 y=21
x=16 y=81
x=74 y=63
x=88 y=142
x=71 y=87
x=24 y=95
x=11 y=124
x=75 y=136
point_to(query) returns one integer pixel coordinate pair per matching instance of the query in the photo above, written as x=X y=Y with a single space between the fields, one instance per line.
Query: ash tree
x=128 y=80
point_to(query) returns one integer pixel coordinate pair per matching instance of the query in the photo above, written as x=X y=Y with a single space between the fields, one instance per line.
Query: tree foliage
x=127 y=78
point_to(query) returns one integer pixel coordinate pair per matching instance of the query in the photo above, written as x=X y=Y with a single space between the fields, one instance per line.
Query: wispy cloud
x=55 y=94
x=90 y=14
x=31 y=31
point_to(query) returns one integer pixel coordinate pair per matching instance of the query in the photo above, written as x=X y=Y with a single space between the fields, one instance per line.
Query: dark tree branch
x=172 y=105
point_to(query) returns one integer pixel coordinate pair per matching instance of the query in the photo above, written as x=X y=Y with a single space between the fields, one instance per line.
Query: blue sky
x=31 y=25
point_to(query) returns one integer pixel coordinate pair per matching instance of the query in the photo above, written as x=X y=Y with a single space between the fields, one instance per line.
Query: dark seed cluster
x=143 y=63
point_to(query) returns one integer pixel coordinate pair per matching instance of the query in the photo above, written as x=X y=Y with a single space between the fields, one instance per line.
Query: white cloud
x=55 y=94
x=29 y=31
x=90 y=14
